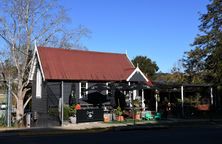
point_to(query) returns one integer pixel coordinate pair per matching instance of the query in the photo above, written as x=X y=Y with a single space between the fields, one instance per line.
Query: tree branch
x=14 y=95
x=25 y=90
x=27 y=101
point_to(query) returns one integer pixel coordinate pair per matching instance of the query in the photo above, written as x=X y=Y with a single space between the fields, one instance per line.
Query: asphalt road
x=182 y=135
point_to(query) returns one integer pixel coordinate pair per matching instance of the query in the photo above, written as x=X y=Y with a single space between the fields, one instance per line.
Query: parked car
x=3 y=106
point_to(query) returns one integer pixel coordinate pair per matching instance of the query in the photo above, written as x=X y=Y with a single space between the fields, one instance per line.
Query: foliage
x=173 y=77
x=136 y=103
x=7 y=68
x=146 y=65
x=118 y=111
x=53 y=111
x=68 y=111
x=194 y=64
x=2 y=120
x=72 y=110
x=177 y=74
x=204 y=63
x=136 y=106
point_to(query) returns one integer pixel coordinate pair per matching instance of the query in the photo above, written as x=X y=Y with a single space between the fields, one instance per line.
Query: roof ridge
x=89 y=51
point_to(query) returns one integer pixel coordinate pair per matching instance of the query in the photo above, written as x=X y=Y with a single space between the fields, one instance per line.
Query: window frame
x=108 y=91
x=38 y=84
x=81 y=95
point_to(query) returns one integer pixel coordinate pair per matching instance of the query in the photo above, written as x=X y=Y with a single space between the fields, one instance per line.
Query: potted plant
x=137 y=114
x=118 y=113
x=136 y=109
x=72 y=113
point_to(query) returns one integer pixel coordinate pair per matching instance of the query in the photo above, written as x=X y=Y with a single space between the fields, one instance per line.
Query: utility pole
x=182 y=100
x=62 y=102
x=9 y=104
x=157 y=99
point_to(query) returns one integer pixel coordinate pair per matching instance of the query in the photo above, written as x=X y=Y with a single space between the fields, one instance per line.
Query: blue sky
x=159 y=29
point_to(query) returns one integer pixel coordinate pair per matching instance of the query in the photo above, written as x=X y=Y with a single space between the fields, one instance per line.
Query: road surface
x=177 y=135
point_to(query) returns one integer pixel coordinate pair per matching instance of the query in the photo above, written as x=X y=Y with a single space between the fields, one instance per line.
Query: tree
x=177 y=74
x=205 y=61
x=194 y=64
x=146 y=65
x=21 y=23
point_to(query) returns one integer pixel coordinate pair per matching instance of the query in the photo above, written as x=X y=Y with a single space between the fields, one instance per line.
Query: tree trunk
x=20 y=110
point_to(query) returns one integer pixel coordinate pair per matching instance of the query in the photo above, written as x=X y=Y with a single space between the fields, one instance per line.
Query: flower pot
x=203 y=107
x=72 y=119
x=137 y=117
x=119 y=118
x=106 y=118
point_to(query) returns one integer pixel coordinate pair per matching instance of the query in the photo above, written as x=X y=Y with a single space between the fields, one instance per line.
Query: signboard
x=89 y=115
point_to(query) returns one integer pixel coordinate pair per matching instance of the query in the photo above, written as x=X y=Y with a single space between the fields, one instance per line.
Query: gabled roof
x=137 y=75
x=63 y=64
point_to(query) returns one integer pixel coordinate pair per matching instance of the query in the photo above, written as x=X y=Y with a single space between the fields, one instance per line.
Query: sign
x=89 y=115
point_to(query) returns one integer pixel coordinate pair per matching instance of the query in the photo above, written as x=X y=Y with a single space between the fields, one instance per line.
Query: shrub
x=53 y=111
x=66 y=110
x=118 y=111
x=72 y=111
x=2 y=120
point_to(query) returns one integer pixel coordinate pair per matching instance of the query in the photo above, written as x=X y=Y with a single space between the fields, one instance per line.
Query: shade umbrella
x=120 y=86
x=139 y=86
x=98 y=87
x=96 y=98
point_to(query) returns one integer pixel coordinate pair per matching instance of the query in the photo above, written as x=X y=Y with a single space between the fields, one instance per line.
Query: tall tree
x=194 y=64
x=205 y=60
x=147 y=66
x=21 y=23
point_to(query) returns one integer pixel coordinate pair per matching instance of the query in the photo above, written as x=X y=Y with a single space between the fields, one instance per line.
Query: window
x=38 y=84
x=108 y=92
x=82 y=89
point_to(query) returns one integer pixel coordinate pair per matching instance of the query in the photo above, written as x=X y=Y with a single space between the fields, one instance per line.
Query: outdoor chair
x=149 y=116
x=157 y=116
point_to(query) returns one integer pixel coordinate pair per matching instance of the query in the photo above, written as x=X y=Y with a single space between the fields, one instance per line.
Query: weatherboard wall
x=51 y=92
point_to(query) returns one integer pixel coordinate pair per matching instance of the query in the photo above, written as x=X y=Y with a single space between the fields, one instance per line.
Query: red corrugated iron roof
x=63 y=64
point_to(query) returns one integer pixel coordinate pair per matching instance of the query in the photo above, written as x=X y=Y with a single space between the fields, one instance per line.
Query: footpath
x=68 y=128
